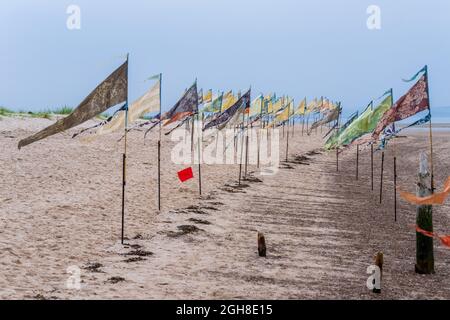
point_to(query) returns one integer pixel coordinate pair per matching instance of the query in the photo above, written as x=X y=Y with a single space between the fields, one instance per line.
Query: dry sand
x=60 y=206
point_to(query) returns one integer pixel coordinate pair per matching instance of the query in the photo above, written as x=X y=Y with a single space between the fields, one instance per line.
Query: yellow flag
x=207 y=97
x=283 y=114
x=301 y=107
x=149 y=102
x=256 y=106
x=228 y=101
x=277 y=105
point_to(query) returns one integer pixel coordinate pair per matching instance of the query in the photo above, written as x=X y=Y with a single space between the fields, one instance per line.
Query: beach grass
x=45 y=113
x=5 y=111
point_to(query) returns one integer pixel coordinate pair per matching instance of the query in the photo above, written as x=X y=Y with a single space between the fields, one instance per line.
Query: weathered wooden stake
x=357 y=160
x=424 y=220
x=371 y=164
x=337 y=159
x=381 y=179
x=246 y=156
x=303 y=124
x=395 y=189
x=261 y=245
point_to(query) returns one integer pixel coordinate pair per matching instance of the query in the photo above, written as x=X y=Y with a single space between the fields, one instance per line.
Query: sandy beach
x=60 y=205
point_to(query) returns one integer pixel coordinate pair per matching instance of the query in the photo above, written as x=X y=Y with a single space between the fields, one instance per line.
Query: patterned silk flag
x=283 y=114
x=208 y=96
x=185 y=107
x=364 y=124
x=256 y=106
x=200 y=96
x=242 y=104
x=312 y=106
x=112 y=91
x=148 y=103
x=301 y=108
x=277 y=105
x=228 y=100
x=414 y=101
x=215 y=105
x=332 y=140
x=330 y=116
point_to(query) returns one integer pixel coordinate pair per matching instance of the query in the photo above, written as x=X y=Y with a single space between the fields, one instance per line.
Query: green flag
x=365 y=123
x=214 y=105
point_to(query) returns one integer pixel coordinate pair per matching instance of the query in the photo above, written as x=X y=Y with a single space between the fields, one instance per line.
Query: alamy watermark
x=73 y=21
x=73 y=282
x=374 y=20
x=228 y=147
x=374 y=280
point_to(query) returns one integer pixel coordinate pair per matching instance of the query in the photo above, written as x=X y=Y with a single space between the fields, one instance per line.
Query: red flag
x=445 y=240
x=185 y=174
x=414 y=101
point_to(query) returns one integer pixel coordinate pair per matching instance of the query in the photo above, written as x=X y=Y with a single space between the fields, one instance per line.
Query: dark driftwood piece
x=261 y=245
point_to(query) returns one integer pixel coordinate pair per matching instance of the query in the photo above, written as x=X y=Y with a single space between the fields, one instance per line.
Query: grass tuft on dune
x=45 y=114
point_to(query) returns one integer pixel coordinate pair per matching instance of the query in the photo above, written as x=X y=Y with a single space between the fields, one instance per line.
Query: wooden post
x=395 y=189
x=124 y=157
x=199 y=140
x=303 y=124
x=287 y=145
x=293 y=126
x=357 y=160
x=261 y=245
x=192 y=138
x=381 y=179
x=246 y=156
x=258 y=136
x=371 y=164
x=159 y=175
x=159 y=144
x=240 y=159
x=337 y=159
x=424 y=220
x=307 y=123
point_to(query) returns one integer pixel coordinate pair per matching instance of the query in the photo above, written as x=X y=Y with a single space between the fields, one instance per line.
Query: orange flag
x=437 y=198
x=445 y=240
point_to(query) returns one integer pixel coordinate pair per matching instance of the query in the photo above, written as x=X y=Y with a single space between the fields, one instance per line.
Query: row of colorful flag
x=218 y=111
x=376 y=124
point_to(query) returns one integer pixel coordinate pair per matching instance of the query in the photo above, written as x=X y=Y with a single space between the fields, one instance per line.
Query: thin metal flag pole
x=242 y=146
x=200 y=138
x=381 y=178
x=337 y=146
x=395 y=163
x=430 y=130
x=287 y=137
x=192 y=130
x=159 y=144
x=395 y=189
x=357 y=161
x=371 y=164
x=258 y=133
x=124 y=159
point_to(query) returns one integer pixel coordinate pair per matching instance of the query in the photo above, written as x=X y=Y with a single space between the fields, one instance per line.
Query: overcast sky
x=301 y=48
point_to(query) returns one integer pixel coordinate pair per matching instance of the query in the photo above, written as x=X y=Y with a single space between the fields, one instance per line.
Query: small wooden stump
x=379 y=263
x=261 y=245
